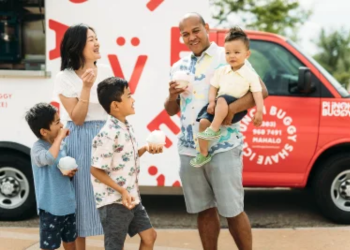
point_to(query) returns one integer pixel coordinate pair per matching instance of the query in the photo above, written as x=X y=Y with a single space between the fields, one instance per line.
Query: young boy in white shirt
x=115 y=169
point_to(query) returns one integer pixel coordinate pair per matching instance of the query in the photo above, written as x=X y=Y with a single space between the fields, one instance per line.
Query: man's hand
x=71 y=173
x=128 y=200
x=258 y=117
x=173 y=91
x=228 y=119
x=211 y=108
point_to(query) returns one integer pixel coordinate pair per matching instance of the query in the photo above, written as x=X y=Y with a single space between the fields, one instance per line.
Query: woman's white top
x=69 y=84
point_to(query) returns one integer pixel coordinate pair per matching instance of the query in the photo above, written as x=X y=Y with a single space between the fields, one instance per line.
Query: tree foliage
x=276 y=16
x=334 y=53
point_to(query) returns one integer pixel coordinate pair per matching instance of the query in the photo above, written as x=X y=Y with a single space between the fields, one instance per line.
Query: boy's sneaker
x=200 y=160
x=209 y=134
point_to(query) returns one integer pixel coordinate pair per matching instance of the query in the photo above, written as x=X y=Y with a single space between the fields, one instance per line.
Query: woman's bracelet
x=82 y=100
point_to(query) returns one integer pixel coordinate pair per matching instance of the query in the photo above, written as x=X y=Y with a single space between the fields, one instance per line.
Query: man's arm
x=244 y=103
x=172 y=103
x=171 y=106
x=247 y=101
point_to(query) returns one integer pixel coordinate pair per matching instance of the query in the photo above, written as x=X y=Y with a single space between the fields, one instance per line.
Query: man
x=216 y=188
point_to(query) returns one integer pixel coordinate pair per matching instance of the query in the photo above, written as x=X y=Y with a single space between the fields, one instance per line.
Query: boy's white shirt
x=115 y=150
x=236 y=83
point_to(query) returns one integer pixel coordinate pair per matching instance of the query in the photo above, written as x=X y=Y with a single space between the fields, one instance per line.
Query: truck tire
x=331 y=187
x=17 y=196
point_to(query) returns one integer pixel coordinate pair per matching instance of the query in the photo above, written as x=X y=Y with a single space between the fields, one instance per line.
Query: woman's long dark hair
x=72 y=47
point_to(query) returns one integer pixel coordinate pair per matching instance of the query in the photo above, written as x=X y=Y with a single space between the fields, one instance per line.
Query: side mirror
x=304 y=80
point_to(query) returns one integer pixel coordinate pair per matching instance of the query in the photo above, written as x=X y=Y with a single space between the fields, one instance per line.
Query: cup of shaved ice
x=182 y=78
x=67 y=164
x=156 y=139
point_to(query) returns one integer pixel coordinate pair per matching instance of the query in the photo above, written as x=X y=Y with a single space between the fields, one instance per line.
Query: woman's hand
x=88 y=78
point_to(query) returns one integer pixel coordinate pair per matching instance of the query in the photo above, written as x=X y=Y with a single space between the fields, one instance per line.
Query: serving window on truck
x=22 y=38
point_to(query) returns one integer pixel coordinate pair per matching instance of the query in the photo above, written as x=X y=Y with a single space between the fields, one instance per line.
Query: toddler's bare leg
x=221 y=111
x=203 y=144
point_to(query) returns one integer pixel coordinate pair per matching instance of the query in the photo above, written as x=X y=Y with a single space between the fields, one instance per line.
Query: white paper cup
x=67 y=164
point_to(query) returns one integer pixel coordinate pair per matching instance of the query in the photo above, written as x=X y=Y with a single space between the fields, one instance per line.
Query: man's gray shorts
x=216 y=184
x=118 y=221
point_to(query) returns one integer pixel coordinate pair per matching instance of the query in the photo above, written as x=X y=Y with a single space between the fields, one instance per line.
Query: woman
x=76 y=86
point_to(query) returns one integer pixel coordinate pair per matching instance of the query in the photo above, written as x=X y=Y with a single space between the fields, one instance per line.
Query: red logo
x=59 y=29
x=154 y=4
x=78 y=1
x=164 y=118
x=136 y=74
x=153 y=170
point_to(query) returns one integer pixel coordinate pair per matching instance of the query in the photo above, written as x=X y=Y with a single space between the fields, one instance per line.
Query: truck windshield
x=341 y=90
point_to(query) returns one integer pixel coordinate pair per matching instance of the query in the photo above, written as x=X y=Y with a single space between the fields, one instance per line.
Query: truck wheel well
x=337 y=149
x=14 y=148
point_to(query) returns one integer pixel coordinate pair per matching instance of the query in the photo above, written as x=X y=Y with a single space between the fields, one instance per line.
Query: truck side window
x=22 y=36
x=276 y=66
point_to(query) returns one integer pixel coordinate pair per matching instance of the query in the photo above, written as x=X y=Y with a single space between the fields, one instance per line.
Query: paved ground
x=184 y=239
x=274 y=208
x=282 y=220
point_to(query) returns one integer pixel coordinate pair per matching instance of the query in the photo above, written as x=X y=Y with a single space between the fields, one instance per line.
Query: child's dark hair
x=110 y=90
x=236 y=33
x=40 y=116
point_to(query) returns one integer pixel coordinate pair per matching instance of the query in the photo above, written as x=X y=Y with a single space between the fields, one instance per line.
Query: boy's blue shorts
x=54 y=228
x=203 y=114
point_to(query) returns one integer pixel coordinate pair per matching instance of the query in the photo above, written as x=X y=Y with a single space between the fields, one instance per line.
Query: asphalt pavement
x=272 y=208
